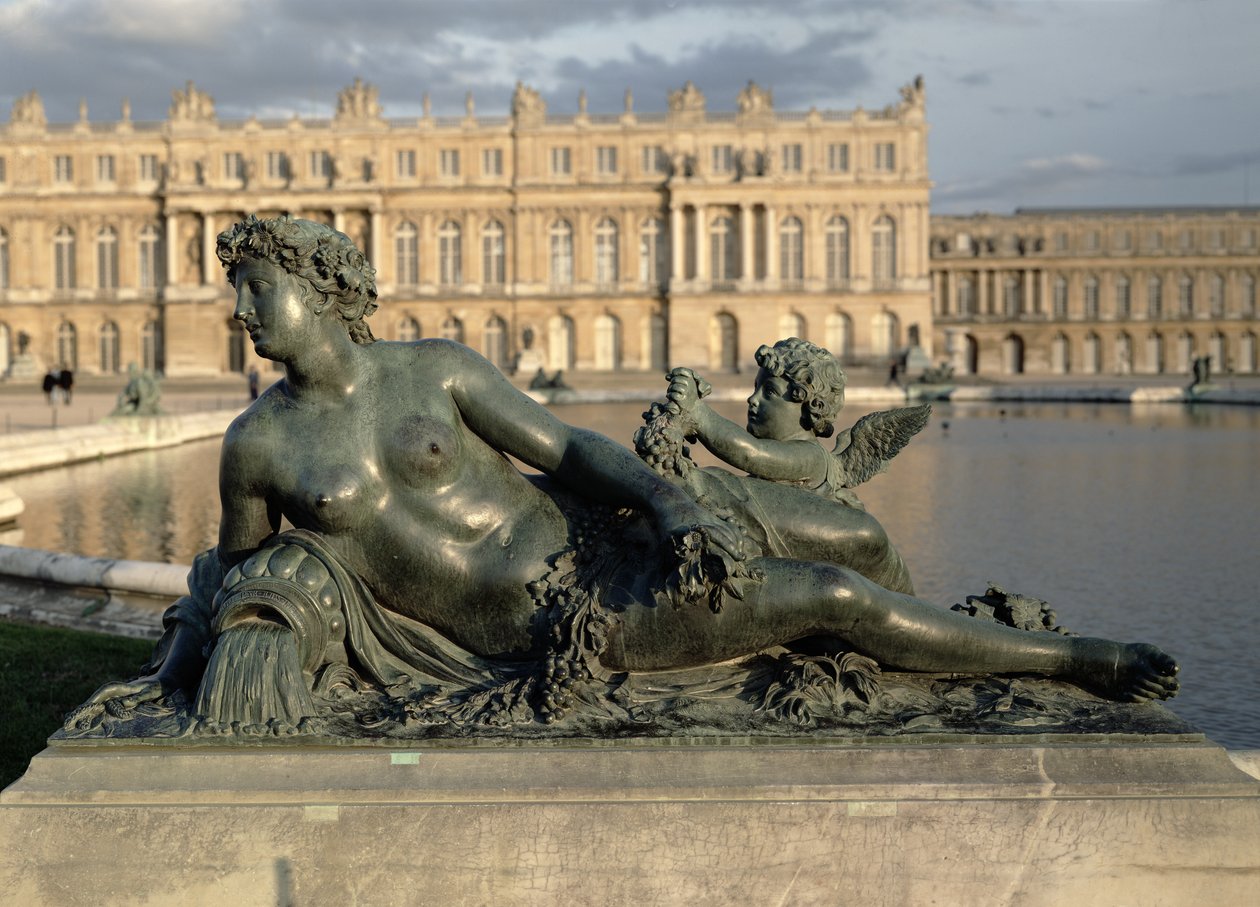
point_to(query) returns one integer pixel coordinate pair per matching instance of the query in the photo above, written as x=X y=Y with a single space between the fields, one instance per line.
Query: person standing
x=253 y=382
x=66 y=381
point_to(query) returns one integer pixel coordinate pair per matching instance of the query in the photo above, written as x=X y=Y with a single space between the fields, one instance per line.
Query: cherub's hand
x=686 y=389
x=683 y=517
x=117 y=699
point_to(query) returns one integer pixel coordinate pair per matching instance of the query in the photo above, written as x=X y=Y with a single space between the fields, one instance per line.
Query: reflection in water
x=1134 y=522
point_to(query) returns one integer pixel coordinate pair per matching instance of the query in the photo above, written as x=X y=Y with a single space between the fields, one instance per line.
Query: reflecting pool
x=1134 y=522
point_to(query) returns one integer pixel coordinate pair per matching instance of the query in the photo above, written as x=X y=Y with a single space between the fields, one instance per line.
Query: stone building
x=1097 y=291
x=597 y=241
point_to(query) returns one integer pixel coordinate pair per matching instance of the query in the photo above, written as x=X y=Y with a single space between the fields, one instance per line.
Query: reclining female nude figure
x=420 y=553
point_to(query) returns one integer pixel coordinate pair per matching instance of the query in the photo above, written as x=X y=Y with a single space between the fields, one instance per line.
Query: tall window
x=4 y=260
x=1246 y=290
x=1216 y=296
x=492 y=254
x=406 y=254
x=838 y=157
x=837 y=234
x=1091 y=241
x=105 y=170
x=1185 y=296
x=1060 y=298
x=277 y=165
x=63 y=169
x=653 y=251
x=3 y=175
x=884 y=251
x=1091 y=298
x=1010 y=296
x=108 y=344
x=791 y=251
x=320 y=164
x=966 y=296
x=607 y=264
x=405 y=164
x=1154 y=298
x=233 y=165
x=885 y=157
x=561 y=241
x=723 y=159
x=792 y=158
x=494 y=338
x=654 y=159
x=1123 y=298
x=452 y=329
x=149 y=259
x=606 y=160
x=68 y=345
x=408 y=329
x=450 y=254
x=107 y=259
x=448 y=162
x=151 y=346
x=1124 y=240
x=1154 y=240
x=63 y=259
x=724 y=249
x=561 y=162
x=1185 y=239
x=492 y=162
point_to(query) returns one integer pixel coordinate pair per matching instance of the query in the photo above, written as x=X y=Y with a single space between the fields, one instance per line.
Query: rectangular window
x=448 y=162
x=1247 y=240
x=723 y=159
x=1217 y=239
x=320 y=164
x=63 y=168
x=233 y=165
x=1060 y=242
x=405 y=164
x=277 y=165
x=885 y=157
x=492 y=162
x=792 y=158
x=838 y=157
x=104 y=168
x=148 y=168
x=654 y=160
x=561 y=163
x=1186 y=240
x=606 y=160
x=1154 y=241
x=1091 y=241
x=1124 y=240
x=2 y=172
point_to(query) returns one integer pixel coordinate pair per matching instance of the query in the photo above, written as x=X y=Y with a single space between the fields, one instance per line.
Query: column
x=702 y=259
x=772 y=247
x=339 y=221
x=1027 y=303
x=1043 y=292
x=374 y=241
x=947 y=293
x=209 y=261
x=982 y=291
x=677 y=247
x=172 y=249
x=746 y=270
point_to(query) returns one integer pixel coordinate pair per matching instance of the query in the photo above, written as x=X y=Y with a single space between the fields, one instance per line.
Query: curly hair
x=814 y=377
x=331 y=268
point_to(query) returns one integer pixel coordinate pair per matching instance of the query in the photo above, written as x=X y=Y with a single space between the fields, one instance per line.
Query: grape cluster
x=660 y=443
x=560 y=673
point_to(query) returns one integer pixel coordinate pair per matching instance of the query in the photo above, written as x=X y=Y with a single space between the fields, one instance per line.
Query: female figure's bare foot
x=1127 y=672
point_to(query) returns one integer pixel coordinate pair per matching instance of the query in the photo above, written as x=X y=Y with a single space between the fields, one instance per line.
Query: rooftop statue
x=358 y=101
x=29 y=110
x=191 y=105
x=687 y=99
x=428 y=587
x=527 y=103
x=754 y=99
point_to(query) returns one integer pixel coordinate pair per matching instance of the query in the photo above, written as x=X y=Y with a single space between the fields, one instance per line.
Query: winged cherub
x=797 y=394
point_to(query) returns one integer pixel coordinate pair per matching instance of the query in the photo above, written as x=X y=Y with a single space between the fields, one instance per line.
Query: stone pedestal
x=980 y=821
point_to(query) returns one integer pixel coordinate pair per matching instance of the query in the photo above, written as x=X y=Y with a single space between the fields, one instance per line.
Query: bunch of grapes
x=661 y=442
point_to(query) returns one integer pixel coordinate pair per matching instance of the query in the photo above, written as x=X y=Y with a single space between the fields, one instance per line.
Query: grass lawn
x=46 y=672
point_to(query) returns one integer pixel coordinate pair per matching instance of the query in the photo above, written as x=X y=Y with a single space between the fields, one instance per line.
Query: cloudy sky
x=1032 y=102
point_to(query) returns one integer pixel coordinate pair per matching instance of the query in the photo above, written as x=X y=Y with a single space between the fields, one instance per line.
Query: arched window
x=1091 y=363
x=724 y=342
x=149 y=261
x=884 y=251
x=1010 y=296
x=560 y=347
x=655 y=343
x=839 y=330
x=63 y=259
x=1091 y=298
x=4 y=260
x=107 y=259
x=493 y=255
x=1246 y=353
x=885 y=333
x=151 y=347
x=6 y=349
x=450 y=254
x=1155 y=353
x=1124 y=354
x=1216 y=351
x=607 y=260
x=1060 y=301
x=1185 y=296
x=607 y=343
x=653 y=252
x=1013 y=354
x=1247 y=296
x=561 y=237
x=724 y=249
x=407 y=254
x=68 y=345
x=452 y=329
x=1185 y=352
x=108 y=344
x=1123 y=298
x=791 y=324
x=495 y=341
x=1216 y=296
x=1154 y=298
x=408 y=329
x=1060 y=355
x=791 y=251
x=837 y=235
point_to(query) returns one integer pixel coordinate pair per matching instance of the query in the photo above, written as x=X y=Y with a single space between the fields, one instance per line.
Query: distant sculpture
x=141 y=394
x=426 y=106
x=527 y=104
x=126 y=110
x=83 y=110
x=28 y=110
x=1201 y=370
x=754 y=99
x=429 y=587
x=913 y=94
x=358 y=101
x=469 y=105
x=629 y=101
x=191 y=105
x=687 y=99
x=543 y=381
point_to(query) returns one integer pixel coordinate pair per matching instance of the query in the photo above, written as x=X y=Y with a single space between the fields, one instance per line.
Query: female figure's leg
x=799 y=599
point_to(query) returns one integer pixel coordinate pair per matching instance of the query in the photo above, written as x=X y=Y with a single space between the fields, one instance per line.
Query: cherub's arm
x=778 y=461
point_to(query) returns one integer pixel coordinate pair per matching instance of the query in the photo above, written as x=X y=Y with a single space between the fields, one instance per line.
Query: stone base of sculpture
x=1079 y=820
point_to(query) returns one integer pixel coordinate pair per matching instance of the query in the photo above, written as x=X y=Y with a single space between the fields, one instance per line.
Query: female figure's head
x=814 y=379
x=329 y=268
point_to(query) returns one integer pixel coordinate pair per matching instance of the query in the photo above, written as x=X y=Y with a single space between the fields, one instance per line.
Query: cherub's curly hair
x=331 y=268
x=814 y=377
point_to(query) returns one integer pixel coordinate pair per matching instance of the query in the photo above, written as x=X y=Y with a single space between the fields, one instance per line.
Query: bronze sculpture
x=427 y=583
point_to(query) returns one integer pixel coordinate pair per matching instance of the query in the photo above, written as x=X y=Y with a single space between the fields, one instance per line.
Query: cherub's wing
x=876 y=439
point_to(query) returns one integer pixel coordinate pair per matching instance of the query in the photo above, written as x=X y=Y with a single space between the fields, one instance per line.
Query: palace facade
x=622 y=241
x=1093 y=291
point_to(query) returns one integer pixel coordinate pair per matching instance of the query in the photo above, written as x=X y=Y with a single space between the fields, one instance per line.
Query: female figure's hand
x=118 y=699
